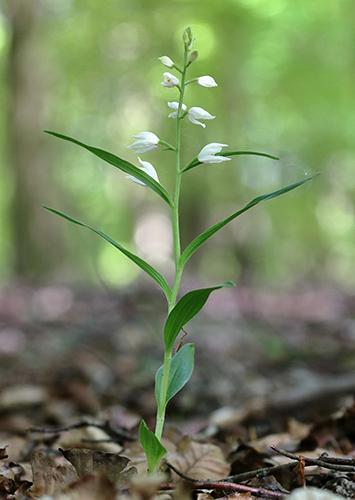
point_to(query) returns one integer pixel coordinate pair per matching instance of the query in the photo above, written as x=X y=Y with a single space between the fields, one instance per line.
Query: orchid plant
x=178 y=366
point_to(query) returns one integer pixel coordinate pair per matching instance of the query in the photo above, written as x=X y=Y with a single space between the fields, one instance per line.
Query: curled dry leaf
x=200 y=461
x=48 y=477
x=112 y=464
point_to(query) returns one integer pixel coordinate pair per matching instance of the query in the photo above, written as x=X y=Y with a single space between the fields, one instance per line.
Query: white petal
x=207 y=154
x=196 y=122
x=199 y=113
x=147 y=141
x=148 y=169
x=206 y=81
x=175 y=105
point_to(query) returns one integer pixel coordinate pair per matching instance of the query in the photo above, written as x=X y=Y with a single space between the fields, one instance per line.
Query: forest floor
x=273 y=386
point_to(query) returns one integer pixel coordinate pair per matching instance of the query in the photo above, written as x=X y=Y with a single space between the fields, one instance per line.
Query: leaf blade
x=203 y=237
x=181 y=368
x=152 y=447
x=122 y=164
x=147 y=268
x=187 y=307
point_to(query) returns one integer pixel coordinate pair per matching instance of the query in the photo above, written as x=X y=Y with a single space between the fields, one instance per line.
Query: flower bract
x=196 y=113
x=207 y=154
x=147 y=141
x=206 y=81
x=175 y=106
x=166 y=61
x=170 y=80
x=148 y=169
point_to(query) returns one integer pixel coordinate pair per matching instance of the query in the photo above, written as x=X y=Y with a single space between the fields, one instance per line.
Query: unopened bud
x=166 y=61
x=188 y=38
x=193 y=55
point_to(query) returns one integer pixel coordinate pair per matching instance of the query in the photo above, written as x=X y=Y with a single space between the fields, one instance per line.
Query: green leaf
x=153 y=273
x=187 y=307
x=123 y=165
x=181 y=368
x=194 y=162
x=153 y=448
x=197 y=242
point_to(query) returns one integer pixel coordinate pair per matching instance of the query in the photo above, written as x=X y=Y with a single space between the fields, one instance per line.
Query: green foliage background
x=285 y=74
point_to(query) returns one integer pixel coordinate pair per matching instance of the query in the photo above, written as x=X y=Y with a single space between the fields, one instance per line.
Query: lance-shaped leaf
x=181 y=368
x=187 y=307
x=195 y=161
x=123 y=165
x=197 y=242
x=153 y=448
x=153 y=273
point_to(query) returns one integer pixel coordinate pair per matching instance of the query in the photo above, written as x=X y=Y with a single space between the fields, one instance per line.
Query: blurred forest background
x=89 y=68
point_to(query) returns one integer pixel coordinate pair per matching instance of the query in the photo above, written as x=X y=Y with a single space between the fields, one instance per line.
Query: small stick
x=117 y=435
x=228 y=486
x=314 y=461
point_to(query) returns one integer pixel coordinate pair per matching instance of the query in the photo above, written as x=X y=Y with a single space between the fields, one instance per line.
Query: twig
x=117 y=435
x=260 y=473
x=228 y=486
x=320 y=462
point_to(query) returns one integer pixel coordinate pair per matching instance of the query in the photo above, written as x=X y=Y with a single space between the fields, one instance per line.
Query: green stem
x=177 y=255
x=162 y=399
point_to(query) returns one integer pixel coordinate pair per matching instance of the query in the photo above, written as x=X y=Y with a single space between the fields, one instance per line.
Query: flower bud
x=206 y=81
x=166 y=61
x=193 y=56
x=188 y=38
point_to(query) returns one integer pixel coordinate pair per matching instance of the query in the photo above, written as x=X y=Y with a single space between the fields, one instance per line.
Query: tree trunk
x=36 y=245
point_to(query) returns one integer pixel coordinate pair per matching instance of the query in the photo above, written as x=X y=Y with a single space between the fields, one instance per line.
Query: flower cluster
x=147 y=141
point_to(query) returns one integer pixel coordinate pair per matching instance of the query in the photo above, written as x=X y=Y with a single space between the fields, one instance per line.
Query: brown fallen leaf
x=200 y=461
x=48 y=477
x=87 y=461
x=240 y=496
x=94 y=486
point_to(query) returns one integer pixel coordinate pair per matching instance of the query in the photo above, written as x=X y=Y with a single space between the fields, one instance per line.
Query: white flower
x=148 y=169
x=175 y=106
x=206 y=81
x=147 y=141
x=170 y=80
x=207 y=154
x=166 y=61
x=198 y=113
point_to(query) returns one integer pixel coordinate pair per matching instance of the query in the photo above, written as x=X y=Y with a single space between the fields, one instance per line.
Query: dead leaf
x=3 y=453
x=240 y=496
x=200 y=461
x=87 y=461
x=48 y=477
x=91 y=487
x=90 y=437
x=145 y=487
